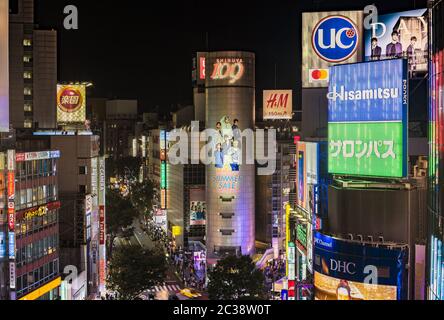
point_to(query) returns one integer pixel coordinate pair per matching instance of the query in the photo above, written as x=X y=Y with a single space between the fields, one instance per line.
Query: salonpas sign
x=368 y=116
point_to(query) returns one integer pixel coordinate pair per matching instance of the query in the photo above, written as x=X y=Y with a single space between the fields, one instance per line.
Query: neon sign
x=228 y=69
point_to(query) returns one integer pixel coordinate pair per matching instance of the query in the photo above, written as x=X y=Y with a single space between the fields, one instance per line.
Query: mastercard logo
x=69 y=99
x=319 y=75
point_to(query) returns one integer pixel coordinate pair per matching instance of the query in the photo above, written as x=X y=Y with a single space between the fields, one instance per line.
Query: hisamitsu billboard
x=368 y=116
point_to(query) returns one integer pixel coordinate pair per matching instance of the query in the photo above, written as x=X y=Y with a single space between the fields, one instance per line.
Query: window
x=27 y=58
x=83 y=170
x=27 y=42
x=82 y=189
x=28 y=107
x=27 y=75
x=28 y=124
x=27 y=91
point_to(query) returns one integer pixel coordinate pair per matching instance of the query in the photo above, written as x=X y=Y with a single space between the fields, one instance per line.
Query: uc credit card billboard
x=368 y=119
x=329 y=38
x=354 y=271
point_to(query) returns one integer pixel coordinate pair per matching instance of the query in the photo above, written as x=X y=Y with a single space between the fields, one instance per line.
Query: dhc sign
x=335 y=38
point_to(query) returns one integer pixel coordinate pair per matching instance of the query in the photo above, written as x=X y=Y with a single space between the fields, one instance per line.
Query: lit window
x=28 y=124
x=27 y=91
x=27 y=42
x=27 y=58
x=28 y=107
x=27 y=75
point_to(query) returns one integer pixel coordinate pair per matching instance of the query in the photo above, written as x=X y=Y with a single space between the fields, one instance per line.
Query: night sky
x=138 y=50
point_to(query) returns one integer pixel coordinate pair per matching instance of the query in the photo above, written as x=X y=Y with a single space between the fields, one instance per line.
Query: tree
x=120 y=213
x=134 y=269
x=128 y=167
x=142 y=196
x=236 y=278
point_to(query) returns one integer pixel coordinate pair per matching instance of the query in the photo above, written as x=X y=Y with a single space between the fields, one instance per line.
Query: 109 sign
x=335 y=38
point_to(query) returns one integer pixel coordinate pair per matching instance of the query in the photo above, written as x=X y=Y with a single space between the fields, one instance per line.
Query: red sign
x=202 y=68
x=20 y=157
x=11 y=199
x=70 y=99
x=102 y=225
x=291 y=288
x=278 y=104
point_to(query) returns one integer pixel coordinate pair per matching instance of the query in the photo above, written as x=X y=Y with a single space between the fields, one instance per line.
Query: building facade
x=230 y=187
x=82 y=217
x=29 y=225
x=32 y=69
x=436 y=122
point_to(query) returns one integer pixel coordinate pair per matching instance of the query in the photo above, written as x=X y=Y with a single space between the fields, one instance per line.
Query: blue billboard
x=367 y=272
x=2 y=245
x=11 y=236
x=369 y=91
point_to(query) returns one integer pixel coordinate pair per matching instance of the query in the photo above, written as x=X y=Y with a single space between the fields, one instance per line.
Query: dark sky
x=135 y=49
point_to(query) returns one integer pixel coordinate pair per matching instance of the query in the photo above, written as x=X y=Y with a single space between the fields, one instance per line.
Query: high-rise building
x=121 y=119
x=435 y=259
x=32 y=69
x=230 y=186
x=82 y=216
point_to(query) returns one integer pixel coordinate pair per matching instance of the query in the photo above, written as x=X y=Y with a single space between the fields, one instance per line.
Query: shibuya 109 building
x=230 y=184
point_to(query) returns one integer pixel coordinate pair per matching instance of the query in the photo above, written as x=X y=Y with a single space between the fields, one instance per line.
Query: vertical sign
x=12 y=276
x=4 y=66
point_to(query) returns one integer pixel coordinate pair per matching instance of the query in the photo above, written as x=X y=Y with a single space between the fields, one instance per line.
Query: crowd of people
x=192 y=272
x=274 y=270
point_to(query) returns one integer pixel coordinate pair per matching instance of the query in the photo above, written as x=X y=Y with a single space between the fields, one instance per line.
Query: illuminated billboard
x=307 y=173
x=278 y=104
x=367 y=120
x=329 y=38
x=198 y=208
x=401 y=34
x=4 y=66
x=71 y=103
x=436 y=269
x=346 y=270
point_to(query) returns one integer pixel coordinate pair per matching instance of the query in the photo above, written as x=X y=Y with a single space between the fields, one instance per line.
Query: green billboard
x=366 y=149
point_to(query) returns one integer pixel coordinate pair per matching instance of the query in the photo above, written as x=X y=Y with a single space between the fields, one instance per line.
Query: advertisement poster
x=71 y=104
x=346 y=270
x=278 y=104
x=367 y=119
x=329 y=38
x=197 y=207
x=401 y=34
x=4 y=66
